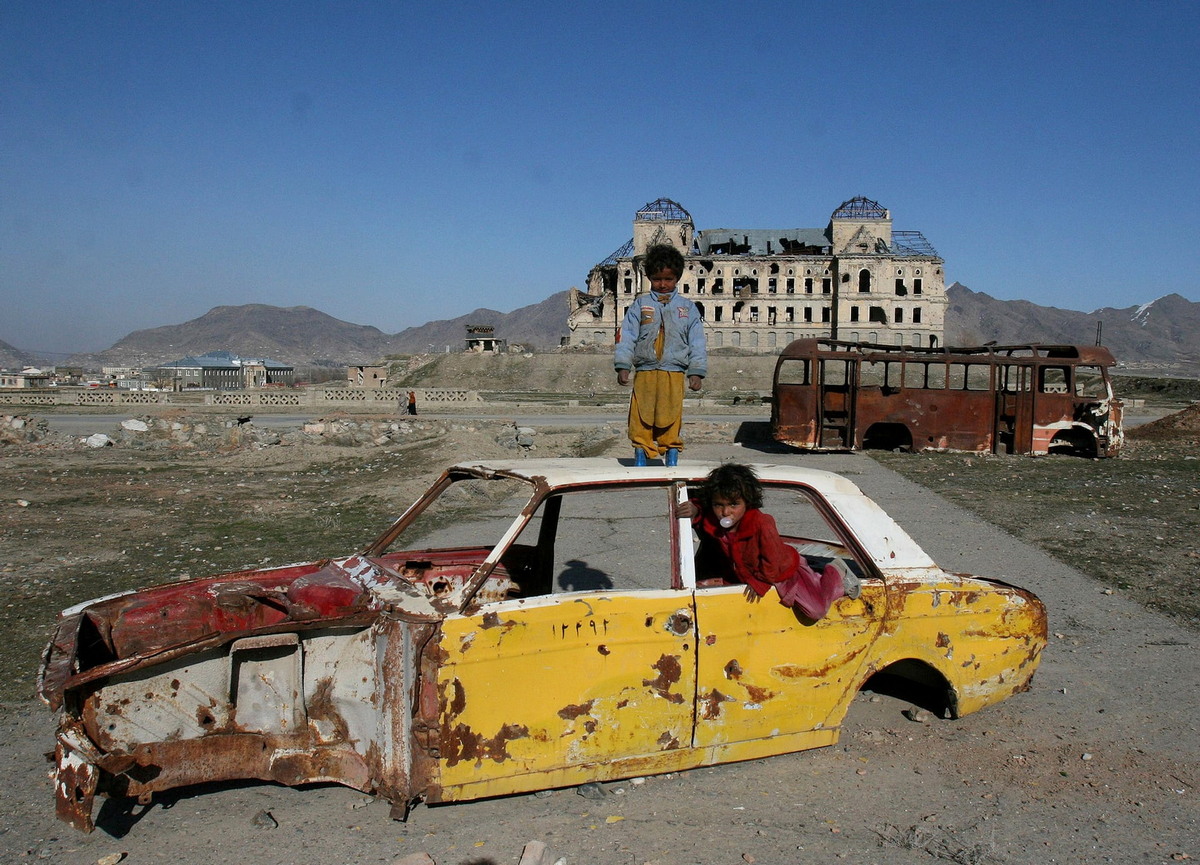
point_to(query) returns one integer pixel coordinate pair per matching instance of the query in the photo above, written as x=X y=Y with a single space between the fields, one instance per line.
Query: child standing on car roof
x=662 y=339
x=739 y=542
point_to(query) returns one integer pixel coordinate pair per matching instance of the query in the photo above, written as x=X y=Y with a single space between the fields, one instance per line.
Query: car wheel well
x=918 y=683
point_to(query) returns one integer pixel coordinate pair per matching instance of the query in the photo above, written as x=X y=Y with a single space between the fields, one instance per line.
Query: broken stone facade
x=760 y=289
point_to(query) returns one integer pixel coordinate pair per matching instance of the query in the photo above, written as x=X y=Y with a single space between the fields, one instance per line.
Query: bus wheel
x=888 y=437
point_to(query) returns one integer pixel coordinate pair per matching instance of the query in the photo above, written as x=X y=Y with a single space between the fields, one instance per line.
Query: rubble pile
x=348 y=432
x=516 y=438
x=232 y=433
x=1182 y=426
x=179 y=431
x=20 y=429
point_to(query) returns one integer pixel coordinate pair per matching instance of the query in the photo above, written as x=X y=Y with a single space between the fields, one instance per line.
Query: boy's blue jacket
x=684 y=348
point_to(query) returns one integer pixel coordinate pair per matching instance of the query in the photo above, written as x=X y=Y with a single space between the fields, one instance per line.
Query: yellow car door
x=768 y=679
x=596 y=679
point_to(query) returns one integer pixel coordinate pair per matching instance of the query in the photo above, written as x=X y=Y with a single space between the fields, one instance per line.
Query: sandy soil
x=1097 y=763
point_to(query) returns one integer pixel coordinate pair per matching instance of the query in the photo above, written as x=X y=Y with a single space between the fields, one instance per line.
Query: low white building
x=28 y=377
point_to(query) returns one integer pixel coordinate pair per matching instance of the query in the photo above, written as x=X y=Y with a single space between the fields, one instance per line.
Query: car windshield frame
x=537 y=505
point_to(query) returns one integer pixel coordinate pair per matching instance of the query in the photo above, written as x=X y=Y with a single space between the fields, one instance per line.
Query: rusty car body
x=524 y=625
x=1016 y=399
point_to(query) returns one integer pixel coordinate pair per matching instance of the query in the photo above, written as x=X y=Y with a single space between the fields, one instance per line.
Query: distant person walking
x=662 y=340
x=412 y=403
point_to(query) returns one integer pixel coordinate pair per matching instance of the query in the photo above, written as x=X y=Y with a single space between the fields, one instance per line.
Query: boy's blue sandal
x=639 y=457
x=672 y=457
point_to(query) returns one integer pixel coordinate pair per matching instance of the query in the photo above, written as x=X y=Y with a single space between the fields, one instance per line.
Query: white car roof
x=889 y=545
x=568 y=471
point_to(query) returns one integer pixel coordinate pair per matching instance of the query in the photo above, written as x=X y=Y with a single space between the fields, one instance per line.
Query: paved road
x=87 y=424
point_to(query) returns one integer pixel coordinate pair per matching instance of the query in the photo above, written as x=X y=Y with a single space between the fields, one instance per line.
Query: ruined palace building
x=759 y=289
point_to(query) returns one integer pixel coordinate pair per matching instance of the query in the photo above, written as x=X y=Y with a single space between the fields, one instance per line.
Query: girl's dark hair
x=733 y=481
x=663 y=257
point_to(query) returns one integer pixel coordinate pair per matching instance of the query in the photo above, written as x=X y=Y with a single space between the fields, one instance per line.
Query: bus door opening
x=837 y=402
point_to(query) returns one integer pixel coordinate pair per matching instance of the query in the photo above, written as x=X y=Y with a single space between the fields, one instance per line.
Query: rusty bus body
x=1016 y=399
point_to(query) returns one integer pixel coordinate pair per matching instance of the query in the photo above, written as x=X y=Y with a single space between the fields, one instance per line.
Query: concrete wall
x=317 y=397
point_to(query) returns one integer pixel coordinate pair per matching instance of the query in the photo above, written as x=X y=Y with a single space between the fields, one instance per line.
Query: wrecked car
x=523 y=625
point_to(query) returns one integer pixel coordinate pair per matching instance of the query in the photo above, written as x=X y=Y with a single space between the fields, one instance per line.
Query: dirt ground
x=1099 y=762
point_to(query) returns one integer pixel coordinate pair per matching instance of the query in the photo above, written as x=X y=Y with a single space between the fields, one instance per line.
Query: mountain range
x=12 y=357
x=303 y=336
x=1163 y=335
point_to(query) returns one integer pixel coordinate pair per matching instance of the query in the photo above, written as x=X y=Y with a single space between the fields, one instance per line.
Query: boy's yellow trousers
x=656 y=411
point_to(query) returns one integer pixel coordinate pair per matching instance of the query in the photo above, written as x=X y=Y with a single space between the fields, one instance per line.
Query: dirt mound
x=584 y=374
x=1183 y=425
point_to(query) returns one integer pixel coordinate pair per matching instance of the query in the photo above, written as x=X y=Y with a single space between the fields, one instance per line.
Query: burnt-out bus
x=1013 y=399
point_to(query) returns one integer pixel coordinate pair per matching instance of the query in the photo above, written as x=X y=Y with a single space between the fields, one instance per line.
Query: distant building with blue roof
x=224 y=370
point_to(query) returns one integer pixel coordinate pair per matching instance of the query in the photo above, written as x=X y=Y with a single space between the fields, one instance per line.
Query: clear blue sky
x=393 y=163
